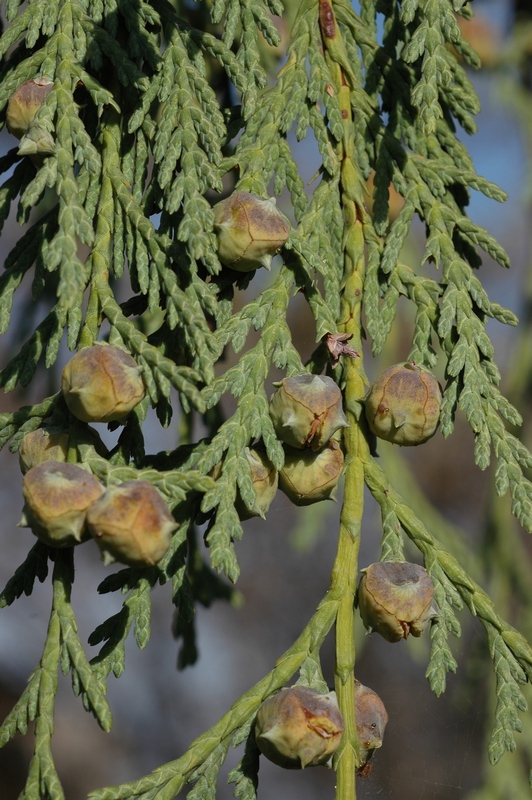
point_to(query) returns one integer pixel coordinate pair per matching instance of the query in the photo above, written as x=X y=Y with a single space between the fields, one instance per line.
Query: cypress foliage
x=157 y=111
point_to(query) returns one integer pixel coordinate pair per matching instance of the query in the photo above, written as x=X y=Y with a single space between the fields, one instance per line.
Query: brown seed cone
x=299 y=727
x=403 y=405
x=57 y=497
x=102 y=383
x=132 y=524
x=24 y=104
x=371 y=719
x=396 y=599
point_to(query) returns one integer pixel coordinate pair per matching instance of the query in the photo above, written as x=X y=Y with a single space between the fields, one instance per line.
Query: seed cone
x=56 y=499
x=403 y=405
x=265 y=481
x=24 y=104
x=306 y=411
x=20 y=115
x=396 y=599
x=132 y=524
x=42 y=445
x=371 y=719
x=102 y=383
x=309 y=477
x=299 y=727
x=250 y=231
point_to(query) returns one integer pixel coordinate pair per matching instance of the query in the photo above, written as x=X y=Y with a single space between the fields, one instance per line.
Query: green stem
x=345 y=569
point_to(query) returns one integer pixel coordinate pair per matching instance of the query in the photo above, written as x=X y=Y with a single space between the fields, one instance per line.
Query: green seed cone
x=306 y=411
x=309 y=477
x=102 y=383
x=250 y=231
x=403 y=405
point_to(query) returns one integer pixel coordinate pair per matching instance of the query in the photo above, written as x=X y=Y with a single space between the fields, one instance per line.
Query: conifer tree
x=153 y=136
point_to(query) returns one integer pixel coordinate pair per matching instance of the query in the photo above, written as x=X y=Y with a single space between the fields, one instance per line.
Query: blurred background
x=434 y=749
